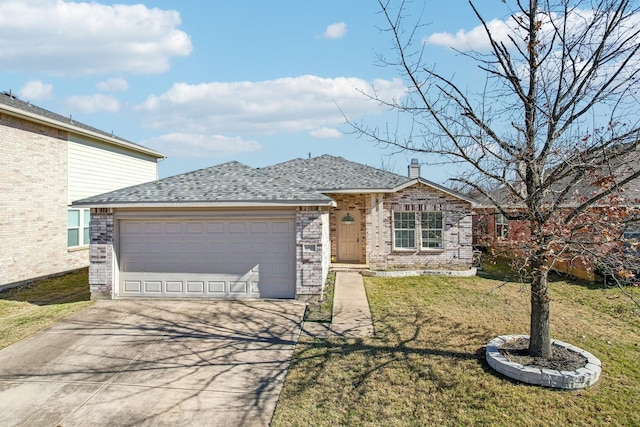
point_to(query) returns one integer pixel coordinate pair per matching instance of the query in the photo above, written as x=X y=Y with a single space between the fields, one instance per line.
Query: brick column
x=101 y=255
x=313 y=252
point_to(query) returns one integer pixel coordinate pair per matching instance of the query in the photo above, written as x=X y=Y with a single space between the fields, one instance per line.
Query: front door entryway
x=348 y=231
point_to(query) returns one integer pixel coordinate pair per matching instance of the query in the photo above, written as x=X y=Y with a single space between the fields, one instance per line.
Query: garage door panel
x=237 y=227
x=283 y=227
x=207 y=258
x=196 y=287
x=259 y=227
x=153 y=286
x=155 y=228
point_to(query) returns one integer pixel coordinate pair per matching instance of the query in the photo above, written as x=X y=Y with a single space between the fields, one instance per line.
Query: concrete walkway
x=351 y=314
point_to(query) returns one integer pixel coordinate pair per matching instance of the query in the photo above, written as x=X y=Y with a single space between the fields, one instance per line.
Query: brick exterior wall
x=312 y=251
x=457 y=234
x=33 y=206
x=101 y=254
x=376 y=228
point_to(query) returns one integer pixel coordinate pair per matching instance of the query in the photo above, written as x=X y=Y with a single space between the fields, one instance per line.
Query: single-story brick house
x=235 y=231
x=48 y=161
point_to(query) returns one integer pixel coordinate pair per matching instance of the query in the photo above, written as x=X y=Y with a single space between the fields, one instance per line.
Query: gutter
x=228 y=204
x=75 y=129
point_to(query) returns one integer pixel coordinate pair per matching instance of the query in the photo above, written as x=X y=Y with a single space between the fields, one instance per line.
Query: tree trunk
x=539 y=333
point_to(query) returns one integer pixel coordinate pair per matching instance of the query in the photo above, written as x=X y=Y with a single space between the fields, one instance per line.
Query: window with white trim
x=404 y=230
x=427 y=225
x=431 y=225
x=78 y=227
x=502 y=226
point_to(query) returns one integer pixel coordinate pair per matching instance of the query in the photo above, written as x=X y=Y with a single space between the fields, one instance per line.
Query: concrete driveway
x=195 y=363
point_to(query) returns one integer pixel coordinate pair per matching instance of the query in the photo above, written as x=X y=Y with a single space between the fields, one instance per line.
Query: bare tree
x=553 y=127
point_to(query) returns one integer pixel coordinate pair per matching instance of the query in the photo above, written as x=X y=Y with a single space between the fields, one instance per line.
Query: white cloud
x=200 y=145
x=291 y=104
x=475 y=39
x=94 y=103
x=113 y=84
x=35 y=91
x=335 y=31
x=326 y=133
x=61 y=37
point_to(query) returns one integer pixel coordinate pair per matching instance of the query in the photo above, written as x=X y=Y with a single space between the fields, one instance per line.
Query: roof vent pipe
x=414 y=169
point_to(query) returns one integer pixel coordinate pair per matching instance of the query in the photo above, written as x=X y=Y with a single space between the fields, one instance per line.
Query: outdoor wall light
x=347 y=219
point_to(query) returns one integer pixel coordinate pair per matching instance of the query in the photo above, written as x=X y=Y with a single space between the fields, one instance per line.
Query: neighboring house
x=235 y=231
x=492 y=230
x=47 y=161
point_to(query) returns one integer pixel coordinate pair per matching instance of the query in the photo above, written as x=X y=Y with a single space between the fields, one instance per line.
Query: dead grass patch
x=26 y=310
x=426 y=365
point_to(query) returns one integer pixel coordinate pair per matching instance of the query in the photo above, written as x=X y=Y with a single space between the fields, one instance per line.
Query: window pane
x=86 y=236
x=431 y=223
x=87 y=217
x=72 y=237
x=404 y=224
x=432 y=239
x=405 y=239
x=502 y=226
x=73 y=218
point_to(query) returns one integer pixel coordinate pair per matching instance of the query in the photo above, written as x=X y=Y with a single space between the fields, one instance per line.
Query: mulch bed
x=561 y=359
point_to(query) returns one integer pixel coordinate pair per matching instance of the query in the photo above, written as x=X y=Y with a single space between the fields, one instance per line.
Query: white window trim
x=426 y=248
x=81 y=227
x=502 y=220
x=417 y=238
x=393 y=232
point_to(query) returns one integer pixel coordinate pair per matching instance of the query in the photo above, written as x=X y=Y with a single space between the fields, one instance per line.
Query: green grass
x=26 y=310
x=322 y=311
x=425 y=366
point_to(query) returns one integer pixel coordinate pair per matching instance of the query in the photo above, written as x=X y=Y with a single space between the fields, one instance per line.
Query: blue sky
x=206 y=82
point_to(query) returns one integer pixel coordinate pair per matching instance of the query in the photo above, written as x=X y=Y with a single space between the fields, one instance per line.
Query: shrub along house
x=48 y=161
x=235 y=231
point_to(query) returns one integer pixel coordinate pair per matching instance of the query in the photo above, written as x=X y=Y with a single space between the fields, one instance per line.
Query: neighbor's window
x=78 y=227
x=404 y=226
x=502 y=226
x=431 y=230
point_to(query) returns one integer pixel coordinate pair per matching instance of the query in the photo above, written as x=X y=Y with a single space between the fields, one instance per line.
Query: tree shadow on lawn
x=361 y=359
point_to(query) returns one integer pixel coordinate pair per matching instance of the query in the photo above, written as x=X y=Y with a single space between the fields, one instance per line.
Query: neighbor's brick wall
x=33 y=206
x=457 y=235
x=311 y=251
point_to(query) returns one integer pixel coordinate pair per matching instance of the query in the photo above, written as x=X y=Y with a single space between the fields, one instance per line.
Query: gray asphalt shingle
x=228 y=182
x=297 y=181
x=326 y=173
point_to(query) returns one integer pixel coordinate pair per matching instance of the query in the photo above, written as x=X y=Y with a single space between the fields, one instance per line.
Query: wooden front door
x=348 y=246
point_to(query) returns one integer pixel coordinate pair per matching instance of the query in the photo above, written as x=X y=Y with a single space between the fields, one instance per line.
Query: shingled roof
x=617 y=162
x=299 y=181
x=12 y=105
x=231 y=183
x=330 y=173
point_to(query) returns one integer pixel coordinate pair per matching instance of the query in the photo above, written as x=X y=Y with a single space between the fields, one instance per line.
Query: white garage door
x=207 y=258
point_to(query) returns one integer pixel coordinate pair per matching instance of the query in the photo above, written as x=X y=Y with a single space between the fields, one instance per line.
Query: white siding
x=96 y=168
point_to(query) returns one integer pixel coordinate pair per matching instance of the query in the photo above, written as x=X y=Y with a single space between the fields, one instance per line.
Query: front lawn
x=26 y=310
x=426 y=365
